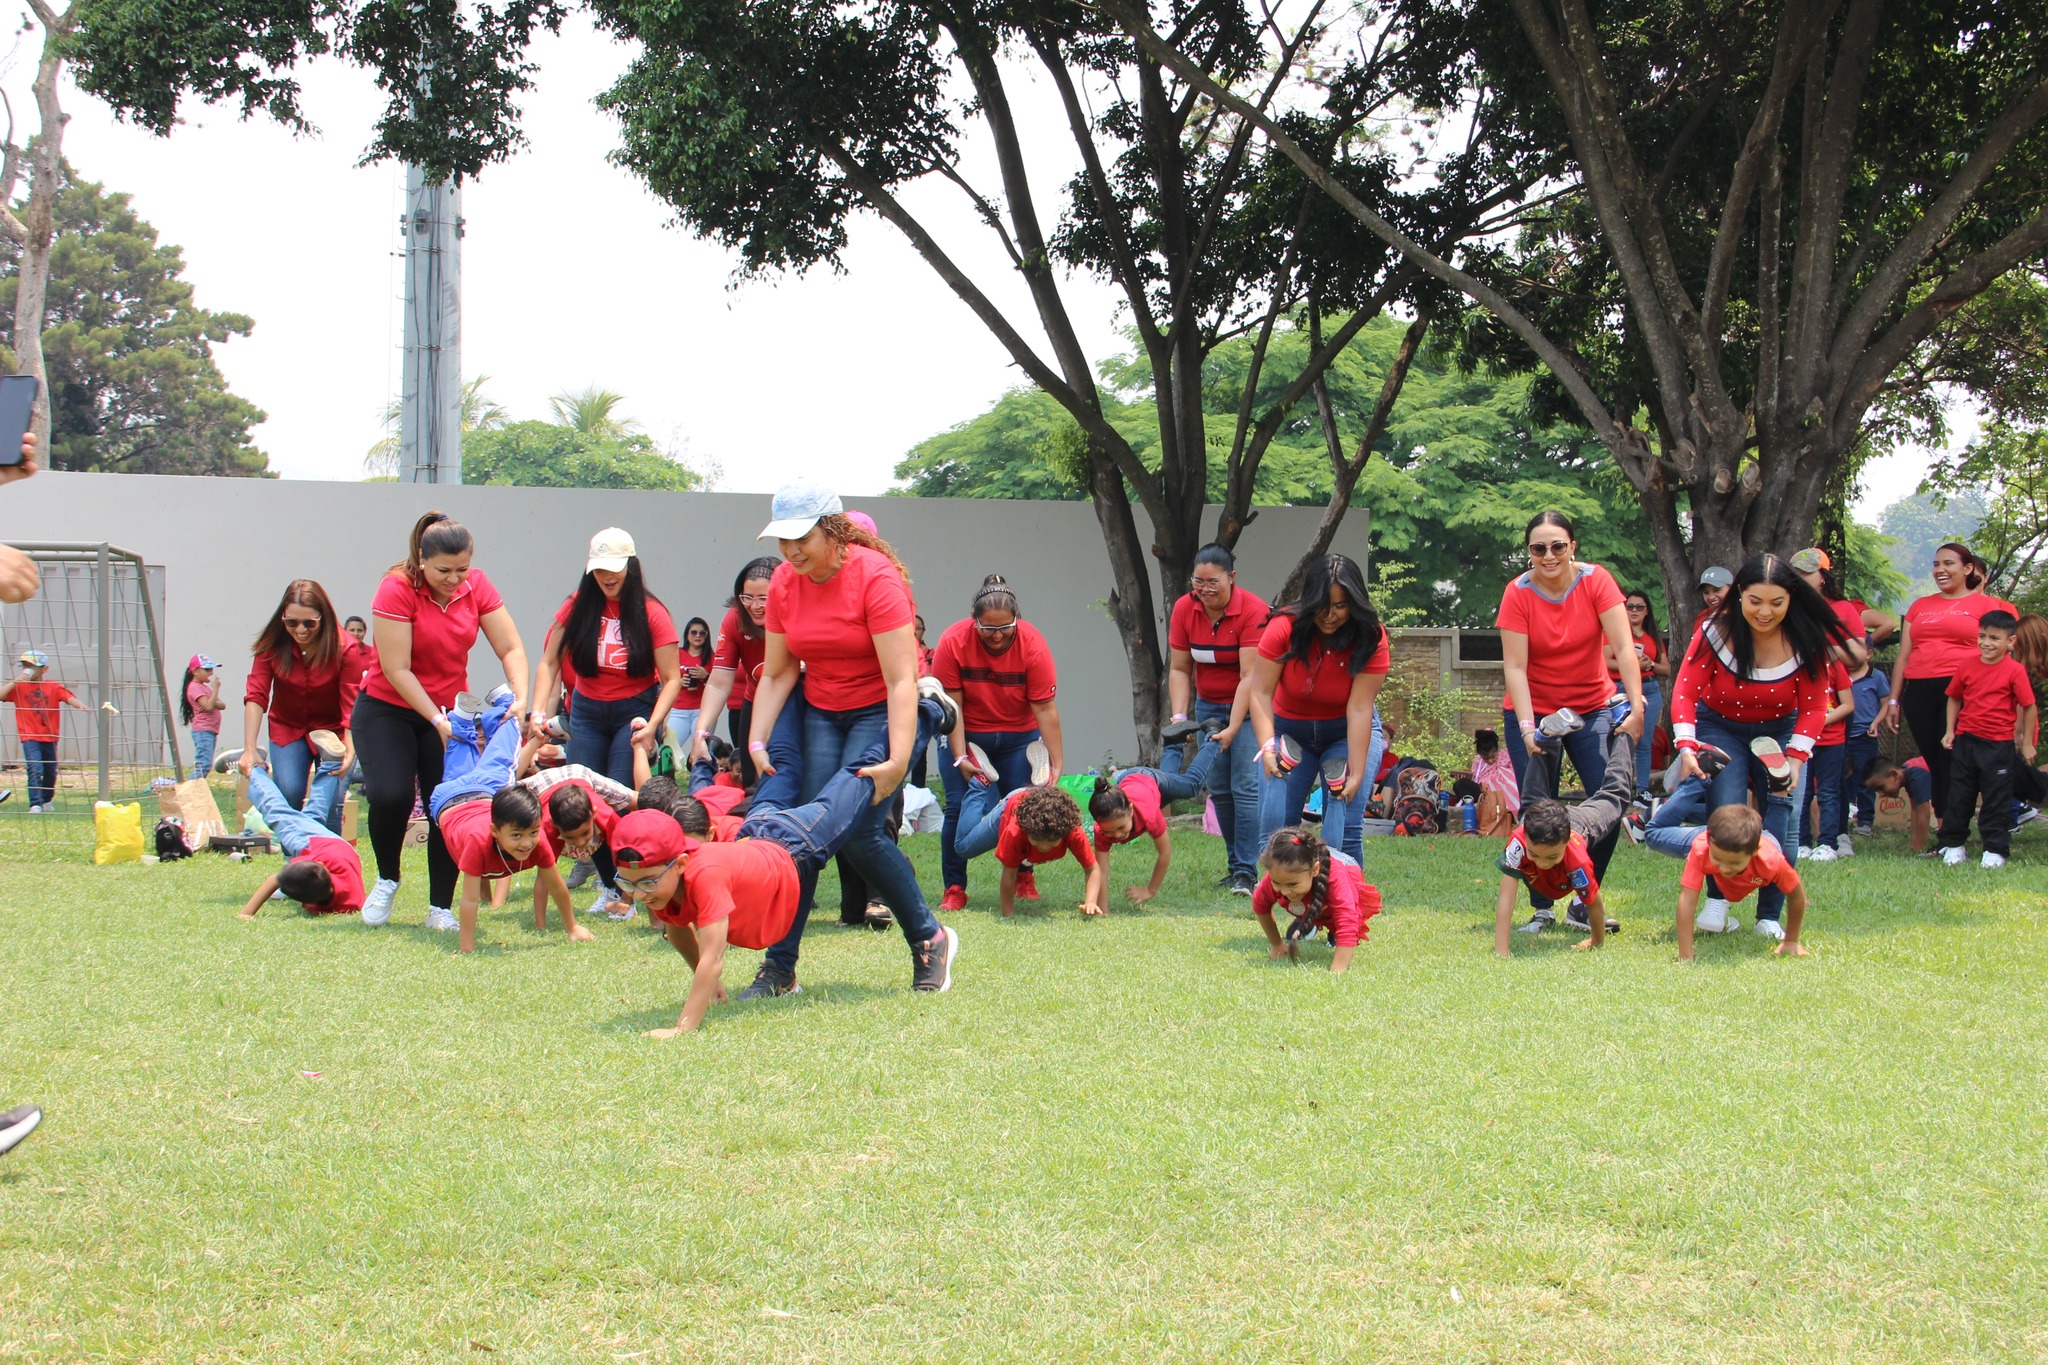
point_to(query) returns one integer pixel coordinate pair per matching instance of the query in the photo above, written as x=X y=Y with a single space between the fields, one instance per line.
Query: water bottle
x=1469 y=815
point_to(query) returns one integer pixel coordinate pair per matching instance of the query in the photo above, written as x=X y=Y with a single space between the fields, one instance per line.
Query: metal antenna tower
x=430 y=414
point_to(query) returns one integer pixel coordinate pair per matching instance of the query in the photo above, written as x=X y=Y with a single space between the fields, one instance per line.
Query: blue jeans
x=467 y=772
x=203 y=745
x=981 y=820
x=41 y=757
x=293 y=828
x=1005 y=749
x=682 y=732
x=1695 y=800
x=1183 y=784
x=834 y=741
x=601 y=732
x=1653 y=707
x=316 y=793
x=1587 y=750
x=1235 y=791
x=1855 y=796
x=1282 y=798
x=1824 y=781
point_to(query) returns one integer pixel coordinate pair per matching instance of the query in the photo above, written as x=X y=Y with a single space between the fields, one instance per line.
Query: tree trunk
x=36 y=228
x=1131 y=603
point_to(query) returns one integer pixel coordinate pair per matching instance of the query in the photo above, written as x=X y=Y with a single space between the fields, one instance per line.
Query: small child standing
x=1736 y=852
x=1550 y=852
x=200 y=706
x=1870 y=687
x=1990 y=704
x=322 y=873
x=1321 y=888
x=1821 y=822
x=39 y=723
x=1029 y=825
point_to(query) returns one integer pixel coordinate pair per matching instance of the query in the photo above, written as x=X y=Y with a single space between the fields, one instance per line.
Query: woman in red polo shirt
x=1000 y=670
x=1321 y=664
x=1554 y=621
x=1940 y=636
x=736 y=656
x=1213 y=635
x=428 y=611
x=305 y=676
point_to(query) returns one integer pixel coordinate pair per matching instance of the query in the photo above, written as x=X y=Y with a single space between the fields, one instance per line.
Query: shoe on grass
x=954 y=899
x=1991 y=859
x=1843 y=848
x=2025 y=815
x=1953 y=857
x=1865 y=831
x=769 y=983
x=931 y=962
x=1777 y=767
x=1243 y=884
x=1770 y=929
x=582 y=872
x=441 y=919
x=16 y=1124
x=1537 y=923
x=1579 y=916
x=1819 y=853
x=377 y=905
x=1635 y=826
x=327 y=744
x=1040 y=759
x=1714 y=918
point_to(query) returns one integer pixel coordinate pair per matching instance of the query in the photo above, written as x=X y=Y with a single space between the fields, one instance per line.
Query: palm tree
x=588 y=412
x=479 y=413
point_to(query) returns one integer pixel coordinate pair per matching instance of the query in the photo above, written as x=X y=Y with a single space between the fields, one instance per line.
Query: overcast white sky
x=572 y=276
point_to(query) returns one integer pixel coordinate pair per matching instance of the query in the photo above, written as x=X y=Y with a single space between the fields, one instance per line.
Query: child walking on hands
x=1550 y=852
x=1027 y=826
x=1736 y=852
x=1135 y=803
x=1321 y=888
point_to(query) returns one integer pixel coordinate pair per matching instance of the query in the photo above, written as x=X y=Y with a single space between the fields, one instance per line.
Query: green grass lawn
x=1126 y=1139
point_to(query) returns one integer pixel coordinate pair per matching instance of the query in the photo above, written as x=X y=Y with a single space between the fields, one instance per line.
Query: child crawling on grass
x=1134 y=802
x=1030 y=825
x=1736 y=852
x=1550 y=852
x=1320 y=888
x=322 y=873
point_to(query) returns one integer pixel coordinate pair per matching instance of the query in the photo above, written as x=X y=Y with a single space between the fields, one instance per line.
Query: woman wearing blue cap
x=839 y=607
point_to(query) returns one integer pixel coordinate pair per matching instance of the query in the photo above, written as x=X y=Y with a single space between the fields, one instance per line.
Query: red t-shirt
x=1318 y=687
x=1565 y=636
x=1148 y=817
x=995 y=691
x=1215 y=646
x=830 y=626
x=1945 y=632
x=740 y=652
x=601 y=813
x=751 y=885
x=35 y=709
x=1993 y=695
x=1572 y=876
x=1650 y=653
x=1767 y=868
x=344 y=870
x=720 y=799
x=304 y=698
x=1352 y=901
x=441 y=636
x=466 y=829
x=691 y=698
x=1014 y=848
x=611 y=681
x=1708 y=677
x=1838 y=683
x=1850 y=614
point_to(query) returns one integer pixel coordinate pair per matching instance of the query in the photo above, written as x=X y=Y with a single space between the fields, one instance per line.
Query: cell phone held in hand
x=17 y=409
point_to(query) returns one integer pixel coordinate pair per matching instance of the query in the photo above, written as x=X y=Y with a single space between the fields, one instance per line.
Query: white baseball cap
x=609 y=550
x=797 y=508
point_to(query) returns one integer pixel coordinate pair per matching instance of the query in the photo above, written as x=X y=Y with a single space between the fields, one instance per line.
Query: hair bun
x=995 y=580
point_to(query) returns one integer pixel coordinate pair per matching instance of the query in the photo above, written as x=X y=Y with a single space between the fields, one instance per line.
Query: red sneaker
x=1027 y=886
x=955 y=898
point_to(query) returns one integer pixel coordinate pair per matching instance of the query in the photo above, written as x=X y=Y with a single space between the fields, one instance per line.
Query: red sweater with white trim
x=1708 y=677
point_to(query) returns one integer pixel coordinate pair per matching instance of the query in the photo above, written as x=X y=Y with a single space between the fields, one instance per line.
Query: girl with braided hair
x=1321 y=889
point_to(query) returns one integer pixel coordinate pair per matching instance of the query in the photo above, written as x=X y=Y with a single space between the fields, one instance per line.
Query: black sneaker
x=931 y=962
x=1243 y=884
x=769 y=983
x=2026 y=815
x=1226 y=881
x=1174 y=731
x=1578 y=917
x=1637 y=828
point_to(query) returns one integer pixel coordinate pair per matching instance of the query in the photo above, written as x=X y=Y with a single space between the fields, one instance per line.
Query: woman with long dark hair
x=429 y=610
x=1000 y=670
x=1560 y=623
x=1940 y=636
x=304 y=674
x=1654 y=666
x=1752 y=694
x=736 y=654
x=1212 y=637
x=1321 y=664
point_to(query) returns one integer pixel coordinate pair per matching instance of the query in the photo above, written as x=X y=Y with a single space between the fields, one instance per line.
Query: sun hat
x=646 y=837
x=35 y=658
x=609 y=550
x=1814 y=560
x=797 y=508
x=202 y=661
x=1714 y=576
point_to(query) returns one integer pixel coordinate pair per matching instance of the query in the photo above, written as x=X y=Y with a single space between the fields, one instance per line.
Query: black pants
x=1981 y=767
x=737 y=724
x=398 y=749
x=1923 y=703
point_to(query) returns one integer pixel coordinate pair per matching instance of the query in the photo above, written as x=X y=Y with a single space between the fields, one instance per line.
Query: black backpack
x=170 y=840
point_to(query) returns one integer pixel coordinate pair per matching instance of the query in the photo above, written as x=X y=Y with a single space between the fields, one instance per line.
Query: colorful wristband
x=757 y=747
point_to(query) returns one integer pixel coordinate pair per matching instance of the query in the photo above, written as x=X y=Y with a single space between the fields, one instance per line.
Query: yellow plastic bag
x=117 y=833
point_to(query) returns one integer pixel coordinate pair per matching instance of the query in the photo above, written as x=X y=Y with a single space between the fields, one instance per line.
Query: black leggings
x=737 y=723
x=399 y=749
x=1923 y=704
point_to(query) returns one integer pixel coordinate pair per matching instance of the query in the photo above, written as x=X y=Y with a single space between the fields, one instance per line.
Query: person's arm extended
x=1888 y=713
x=1504 y=914
x=1047 y=714
x=717 y=692
x=75 y=704
x=1365 y=691
x=1514 y=667
x=394 y=659
x=263 y=893
x=896 y=651
x=779 y=674
x=252 y=726
x=472 y=896
x=1688 y=909
x=548 y=677
x=547 y=881
x=1162 y=859
x=1955 y=709
x=1795 y=917
x=1921 y=823
x=504 y=637
x=1241 y=700
x=1276 y=947
x=669 y=668
x=1340 y=958
x=1596 y=915
x=1265 y=681
x=2023 y=731
x=1006 y=891
x=1095 y=898
x=1180 y=673
x=683 y=939
x=19 y=577
x=705 y=980
x=1614 y=624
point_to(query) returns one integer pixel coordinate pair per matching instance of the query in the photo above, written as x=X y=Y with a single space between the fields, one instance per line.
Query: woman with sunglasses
x=1213 y=639
x=1000 y=670
x=304 y=676
x=1655 y=666
x=1560 y=624
x=695 y=661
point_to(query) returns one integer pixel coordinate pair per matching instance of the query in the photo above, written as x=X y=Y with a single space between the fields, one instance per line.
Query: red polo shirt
x=1993 y=695
x=299 y=697
x=1767 y=868
x=996 y=691
x=1572 y=876
x=1945 y=632
x=441 y=636
x=751 y=885
x=466 y=829
x=1215 y=646
x=344 y=870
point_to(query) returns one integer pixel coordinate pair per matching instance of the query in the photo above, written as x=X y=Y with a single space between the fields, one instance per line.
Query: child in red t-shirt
x=1135 y=802
x=1321 y=889
x=579 y=806
x=322 y=873
x=1026 y=826
x=1734 y=850
x=1550 y=851
x=39 y=722
x=1991 y=713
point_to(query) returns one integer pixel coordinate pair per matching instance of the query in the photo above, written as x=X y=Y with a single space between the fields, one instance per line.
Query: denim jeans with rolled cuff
x=1587 y=749
x=1005 y=749
x=1695 y=800
x=1282 y=798
x=1234 y=788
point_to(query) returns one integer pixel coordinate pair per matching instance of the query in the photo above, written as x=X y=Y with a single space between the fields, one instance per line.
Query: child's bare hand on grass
x=1791 y=947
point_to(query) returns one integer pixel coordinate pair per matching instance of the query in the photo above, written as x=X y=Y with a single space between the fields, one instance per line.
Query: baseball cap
x=865 y=522
x=609 y=550
x=644 y=837
x=202 y=661
x=796 y=510
x=1814 y=560
x=35 y=658
x=1714 y=576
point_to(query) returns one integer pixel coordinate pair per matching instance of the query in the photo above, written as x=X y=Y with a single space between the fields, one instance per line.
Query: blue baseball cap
x=797 y=508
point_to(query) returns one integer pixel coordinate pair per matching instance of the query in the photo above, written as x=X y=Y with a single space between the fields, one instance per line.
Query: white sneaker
x=610 y=904
x=1770 y=929
x=441 y=919
x=1953 y=856
x=1713 y=918
x=1843 y=848
x=1994 y=860
x=377 y=905
x=1819 y=853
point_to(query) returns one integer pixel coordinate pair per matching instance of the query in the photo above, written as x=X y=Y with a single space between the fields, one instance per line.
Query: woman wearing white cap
x=839 y=607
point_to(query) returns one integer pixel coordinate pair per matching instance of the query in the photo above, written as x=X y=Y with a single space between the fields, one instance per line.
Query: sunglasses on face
x=290 y=624
x=1552 y=550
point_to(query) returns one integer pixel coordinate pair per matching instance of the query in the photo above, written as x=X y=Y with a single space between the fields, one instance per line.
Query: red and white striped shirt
x=1708 y=678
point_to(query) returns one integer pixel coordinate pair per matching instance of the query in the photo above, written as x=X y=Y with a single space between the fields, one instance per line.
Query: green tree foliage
x=551 y=455
x=1913 y=527
x=133 y=387
x=479 y=413
x=2005 y=471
